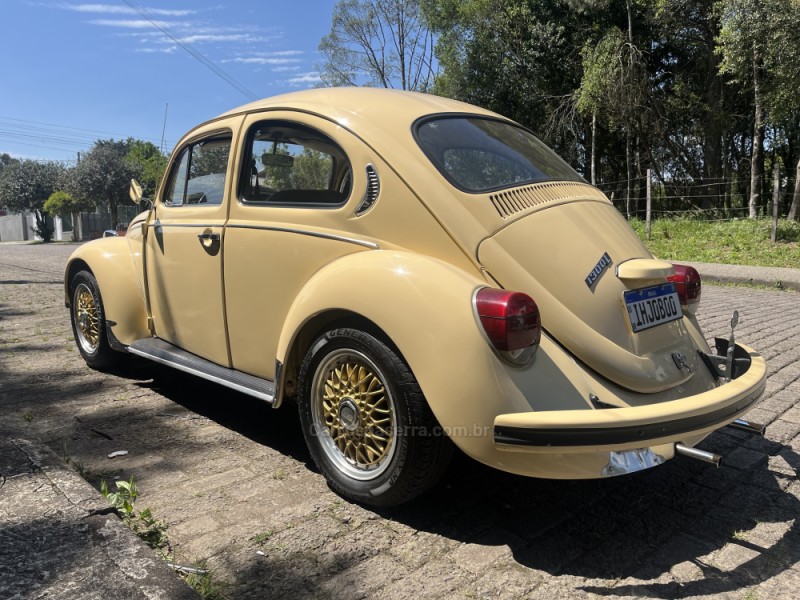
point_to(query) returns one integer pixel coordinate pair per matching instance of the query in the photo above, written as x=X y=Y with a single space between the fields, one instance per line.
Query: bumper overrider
x=619 y=429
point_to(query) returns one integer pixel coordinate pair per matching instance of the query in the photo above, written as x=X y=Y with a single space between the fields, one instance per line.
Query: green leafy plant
x=151 y=530
x=261 y=538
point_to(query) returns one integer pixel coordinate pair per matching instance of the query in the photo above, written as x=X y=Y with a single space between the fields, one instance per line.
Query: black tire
x=366 y=422
x=88 y=318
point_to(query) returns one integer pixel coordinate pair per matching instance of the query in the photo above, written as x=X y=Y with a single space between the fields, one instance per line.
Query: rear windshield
x=481 y=155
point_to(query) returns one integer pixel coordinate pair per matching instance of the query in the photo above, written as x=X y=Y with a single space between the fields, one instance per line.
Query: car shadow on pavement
x=252 y=418
x=682 y=529
x=723 y=529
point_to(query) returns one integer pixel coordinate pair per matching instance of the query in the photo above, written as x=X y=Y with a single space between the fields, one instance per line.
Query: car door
x=288 y=222
x=184 y=248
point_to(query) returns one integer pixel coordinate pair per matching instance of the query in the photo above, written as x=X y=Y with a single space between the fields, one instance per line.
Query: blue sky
x=72 y=72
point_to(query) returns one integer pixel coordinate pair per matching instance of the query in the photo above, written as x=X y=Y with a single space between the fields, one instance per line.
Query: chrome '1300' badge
x=601 y=266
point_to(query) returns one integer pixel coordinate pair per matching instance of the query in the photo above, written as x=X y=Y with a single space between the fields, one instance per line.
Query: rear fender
x=112 y=263
x=425 y=307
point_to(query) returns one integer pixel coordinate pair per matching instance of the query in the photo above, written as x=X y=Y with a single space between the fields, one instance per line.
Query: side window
x=198 y=175
x=291 y=164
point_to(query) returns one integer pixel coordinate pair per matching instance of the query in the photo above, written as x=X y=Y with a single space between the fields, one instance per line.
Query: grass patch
x=736 y=242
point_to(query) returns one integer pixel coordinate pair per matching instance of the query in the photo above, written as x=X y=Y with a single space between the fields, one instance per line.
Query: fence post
x=649 y=206
x=776 y=201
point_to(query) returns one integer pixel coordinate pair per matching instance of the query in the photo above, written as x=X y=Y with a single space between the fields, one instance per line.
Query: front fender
x=111 y=261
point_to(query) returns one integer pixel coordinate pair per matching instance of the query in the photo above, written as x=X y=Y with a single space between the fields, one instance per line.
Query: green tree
x=5 y=159
x=103 y=176
x=758 y=43
x=26 y=185
x=383 y=43
x=62 y=204
x=312 y=170
x=150 y=163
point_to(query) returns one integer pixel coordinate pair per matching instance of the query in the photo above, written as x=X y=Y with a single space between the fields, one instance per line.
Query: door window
x=198 y=175
x=294 y=165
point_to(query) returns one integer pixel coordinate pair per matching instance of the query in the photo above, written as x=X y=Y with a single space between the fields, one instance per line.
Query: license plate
x=653 y=306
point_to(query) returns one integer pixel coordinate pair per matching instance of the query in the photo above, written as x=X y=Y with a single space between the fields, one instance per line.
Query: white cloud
x=136 y=23
x=111 y=9
x=167 y=50
x=261 y=60
x=304 y=79
x=208 y=37
x=285 y=69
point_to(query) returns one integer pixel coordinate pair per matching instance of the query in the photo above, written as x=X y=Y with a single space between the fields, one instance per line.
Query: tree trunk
x=594 y=148
x=629 y=164
x=756 y=154
x=795 y=207
x=713 y=130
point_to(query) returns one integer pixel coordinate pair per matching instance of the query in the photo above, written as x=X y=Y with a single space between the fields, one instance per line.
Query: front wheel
x=368 y=427
x=88 y=322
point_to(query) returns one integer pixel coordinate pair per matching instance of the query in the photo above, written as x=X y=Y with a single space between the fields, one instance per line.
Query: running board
x=165 y=353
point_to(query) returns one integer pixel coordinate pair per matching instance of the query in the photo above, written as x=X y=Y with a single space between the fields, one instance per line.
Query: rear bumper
x=615 y=429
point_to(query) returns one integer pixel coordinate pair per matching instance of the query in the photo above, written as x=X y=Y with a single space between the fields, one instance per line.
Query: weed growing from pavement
x=261 y=538
x=740 y=535
x=153 y=532
x=203 y=583
x=77 y=465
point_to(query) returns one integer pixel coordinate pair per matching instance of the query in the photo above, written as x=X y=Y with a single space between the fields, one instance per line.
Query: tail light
x=688 y=285
x=512 y=323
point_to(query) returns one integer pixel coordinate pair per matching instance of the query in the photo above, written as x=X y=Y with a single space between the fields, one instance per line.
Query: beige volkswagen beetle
x=416 y=272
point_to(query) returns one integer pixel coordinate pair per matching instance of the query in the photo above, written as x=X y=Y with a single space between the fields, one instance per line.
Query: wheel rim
x=354 y=414
x=87 y=319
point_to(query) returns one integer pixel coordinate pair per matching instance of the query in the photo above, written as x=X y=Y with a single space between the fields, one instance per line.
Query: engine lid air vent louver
x=372 y=192
x=511 y=202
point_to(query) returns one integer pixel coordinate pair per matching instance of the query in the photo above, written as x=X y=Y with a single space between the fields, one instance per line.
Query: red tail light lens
x=688 y=285
x=511 y=321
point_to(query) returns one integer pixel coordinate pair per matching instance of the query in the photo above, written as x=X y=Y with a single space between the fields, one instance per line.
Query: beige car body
x=410 y=265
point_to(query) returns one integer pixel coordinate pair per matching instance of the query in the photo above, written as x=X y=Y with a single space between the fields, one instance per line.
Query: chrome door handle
x=208 y=237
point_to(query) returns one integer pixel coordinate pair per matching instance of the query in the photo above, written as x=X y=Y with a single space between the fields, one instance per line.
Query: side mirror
x=136 y=192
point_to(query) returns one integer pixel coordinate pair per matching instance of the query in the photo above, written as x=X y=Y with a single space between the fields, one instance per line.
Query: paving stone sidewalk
x=237 y=487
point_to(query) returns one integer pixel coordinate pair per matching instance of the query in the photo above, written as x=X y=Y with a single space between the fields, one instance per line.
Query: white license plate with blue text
x=653 y=306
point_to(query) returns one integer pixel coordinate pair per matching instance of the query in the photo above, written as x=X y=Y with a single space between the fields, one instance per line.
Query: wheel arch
x=318 y=325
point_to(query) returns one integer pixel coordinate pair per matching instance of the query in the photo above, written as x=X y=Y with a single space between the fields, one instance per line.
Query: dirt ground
x=234 y=482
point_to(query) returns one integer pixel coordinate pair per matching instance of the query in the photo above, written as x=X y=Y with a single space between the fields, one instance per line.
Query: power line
x=55 y=137
x=194 y=53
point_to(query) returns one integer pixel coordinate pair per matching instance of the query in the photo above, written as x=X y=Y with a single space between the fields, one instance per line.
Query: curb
x=774 y=277
x=60 y=539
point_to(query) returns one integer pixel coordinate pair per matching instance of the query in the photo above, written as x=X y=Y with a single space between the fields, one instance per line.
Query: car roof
x=358 y=106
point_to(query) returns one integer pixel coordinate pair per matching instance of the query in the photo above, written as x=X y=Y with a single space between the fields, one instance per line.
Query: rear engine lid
x=577 y=258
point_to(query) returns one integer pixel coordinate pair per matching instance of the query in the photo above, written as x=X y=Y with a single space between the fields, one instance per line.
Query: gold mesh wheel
x=87 y=318
x=354 y=414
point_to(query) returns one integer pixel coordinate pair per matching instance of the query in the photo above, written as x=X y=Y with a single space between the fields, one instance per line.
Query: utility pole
x=164 y=128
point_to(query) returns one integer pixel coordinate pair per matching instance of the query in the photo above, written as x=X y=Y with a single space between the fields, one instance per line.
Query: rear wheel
x=88 y=322
x=367 y=425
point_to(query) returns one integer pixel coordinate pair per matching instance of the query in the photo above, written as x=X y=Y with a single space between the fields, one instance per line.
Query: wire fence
x=649 y=200
x=715 y=200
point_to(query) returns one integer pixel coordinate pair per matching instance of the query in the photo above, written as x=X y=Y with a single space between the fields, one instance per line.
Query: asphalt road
x=233 y=480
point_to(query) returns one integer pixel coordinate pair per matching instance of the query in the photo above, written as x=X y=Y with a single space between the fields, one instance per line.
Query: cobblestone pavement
x=241 y=496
